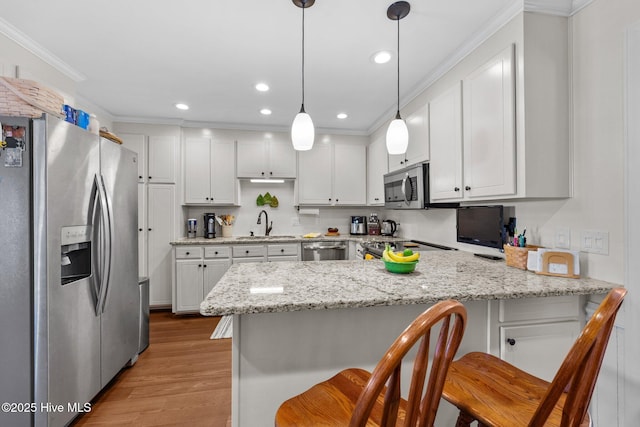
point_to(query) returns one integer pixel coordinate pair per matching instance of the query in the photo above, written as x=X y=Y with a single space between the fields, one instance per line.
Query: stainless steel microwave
x=408 y=188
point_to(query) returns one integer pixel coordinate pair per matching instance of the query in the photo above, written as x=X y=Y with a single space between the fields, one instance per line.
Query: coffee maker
x=358 y=225
x=209 y=226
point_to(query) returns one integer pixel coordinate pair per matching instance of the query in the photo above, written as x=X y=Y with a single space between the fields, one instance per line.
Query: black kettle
x=388 y=227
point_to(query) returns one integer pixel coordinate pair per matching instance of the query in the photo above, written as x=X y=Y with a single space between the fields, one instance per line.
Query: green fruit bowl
x=400 y=267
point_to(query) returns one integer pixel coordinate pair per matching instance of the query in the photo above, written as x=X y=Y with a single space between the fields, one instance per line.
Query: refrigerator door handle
x=105 y=254
x=96 y=258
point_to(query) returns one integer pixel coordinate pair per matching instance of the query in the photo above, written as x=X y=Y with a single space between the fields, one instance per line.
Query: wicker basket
x=517 y=256
x=26 y=98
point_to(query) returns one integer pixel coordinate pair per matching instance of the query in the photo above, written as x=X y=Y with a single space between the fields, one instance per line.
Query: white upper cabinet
x=209 y=172
x=489 y=128
x=266 y=157
x=377 y=166
x=418 y=148
x=445 y=132
x=157 y=156
x=162 y=154
x=349 y=175
x=515 y=117
x=315 y=175
x=332 y=174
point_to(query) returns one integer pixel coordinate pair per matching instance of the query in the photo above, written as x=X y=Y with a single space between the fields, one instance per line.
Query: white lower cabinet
x=283 y=252
x=249 y=253
x=198 y=269
x=535 y=334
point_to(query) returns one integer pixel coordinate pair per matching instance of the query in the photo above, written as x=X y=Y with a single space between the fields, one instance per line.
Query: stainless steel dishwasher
x=325 y=250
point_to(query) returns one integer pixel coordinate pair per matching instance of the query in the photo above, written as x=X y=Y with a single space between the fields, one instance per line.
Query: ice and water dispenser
x=75 y=252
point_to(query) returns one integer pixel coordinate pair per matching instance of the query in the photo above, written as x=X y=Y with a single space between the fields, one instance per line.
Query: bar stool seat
x=495 y=393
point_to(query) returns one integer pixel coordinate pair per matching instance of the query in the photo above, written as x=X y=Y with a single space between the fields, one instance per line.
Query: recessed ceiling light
x=342 y=115
x=382 y=57
x=265 y=111
x=181 y=106
x=262 y=87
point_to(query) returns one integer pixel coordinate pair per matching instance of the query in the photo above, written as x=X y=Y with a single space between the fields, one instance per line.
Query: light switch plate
x=595 y=241
x=563 y=238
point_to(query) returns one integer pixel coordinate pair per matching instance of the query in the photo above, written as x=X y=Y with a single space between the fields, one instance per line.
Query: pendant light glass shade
x=397 y=136
x=397 y=132
x=302 y=132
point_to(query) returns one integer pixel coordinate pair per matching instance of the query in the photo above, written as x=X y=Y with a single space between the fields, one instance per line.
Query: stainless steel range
x=375 y=248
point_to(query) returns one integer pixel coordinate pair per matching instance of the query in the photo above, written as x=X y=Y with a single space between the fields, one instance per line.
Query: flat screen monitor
x=480 y=225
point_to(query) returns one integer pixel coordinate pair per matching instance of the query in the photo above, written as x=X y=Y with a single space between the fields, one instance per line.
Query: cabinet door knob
x=139 y=229
x=216 y=253
x=456 y=189
x=511 y=341
x=271 y=173
x=149 y=229
x=140 y=177
x=467 y=188
x=199 y=265
x=262 y=173
x=281 y=250
x=187 y=253
x=149 y=177
x=205 y=266
x=246 y=252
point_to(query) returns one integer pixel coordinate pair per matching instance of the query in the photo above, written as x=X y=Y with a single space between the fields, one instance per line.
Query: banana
x=399 y=258
x=385 y=254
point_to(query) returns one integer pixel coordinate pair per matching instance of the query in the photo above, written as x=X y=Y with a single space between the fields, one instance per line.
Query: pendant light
x=302 y=131
x=397 y=133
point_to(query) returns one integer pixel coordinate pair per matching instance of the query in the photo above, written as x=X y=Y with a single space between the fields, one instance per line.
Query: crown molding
x=555 y=7
x=229 y=126
x=23 y=40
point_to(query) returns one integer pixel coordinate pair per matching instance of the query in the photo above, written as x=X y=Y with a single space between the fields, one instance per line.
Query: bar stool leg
x=464 y=420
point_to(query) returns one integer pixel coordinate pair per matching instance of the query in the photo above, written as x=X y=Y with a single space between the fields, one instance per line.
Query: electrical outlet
x=595 y=241
x=563 y=238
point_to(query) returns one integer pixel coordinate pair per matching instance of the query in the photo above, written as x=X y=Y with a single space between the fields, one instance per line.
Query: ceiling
x=136 y=59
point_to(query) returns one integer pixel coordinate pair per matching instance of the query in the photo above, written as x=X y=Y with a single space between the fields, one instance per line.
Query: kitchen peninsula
x=298 y=323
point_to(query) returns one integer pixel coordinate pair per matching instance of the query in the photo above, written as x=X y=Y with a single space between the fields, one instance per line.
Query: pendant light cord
x=398 y=50
x=303 y=8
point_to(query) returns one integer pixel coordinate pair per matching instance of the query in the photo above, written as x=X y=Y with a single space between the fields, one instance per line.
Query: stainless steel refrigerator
x=69 y=298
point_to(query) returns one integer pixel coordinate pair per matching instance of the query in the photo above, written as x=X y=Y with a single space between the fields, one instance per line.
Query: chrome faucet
x=267 y=226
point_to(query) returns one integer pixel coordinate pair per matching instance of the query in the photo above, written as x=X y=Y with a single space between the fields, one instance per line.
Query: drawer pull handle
x=511 y=341
x=216 y=253
x=281 y=250
x=246 y=252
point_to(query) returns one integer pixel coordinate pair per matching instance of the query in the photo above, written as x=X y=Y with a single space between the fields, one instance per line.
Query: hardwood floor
x=183 y=378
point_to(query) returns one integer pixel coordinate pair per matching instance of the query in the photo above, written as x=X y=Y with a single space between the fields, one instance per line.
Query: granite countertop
x=317 y=285
x=279 y=239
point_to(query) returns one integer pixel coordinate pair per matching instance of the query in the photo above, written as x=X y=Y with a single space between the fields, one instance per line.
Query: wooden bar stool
x=495 y=393
x=357 y=398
